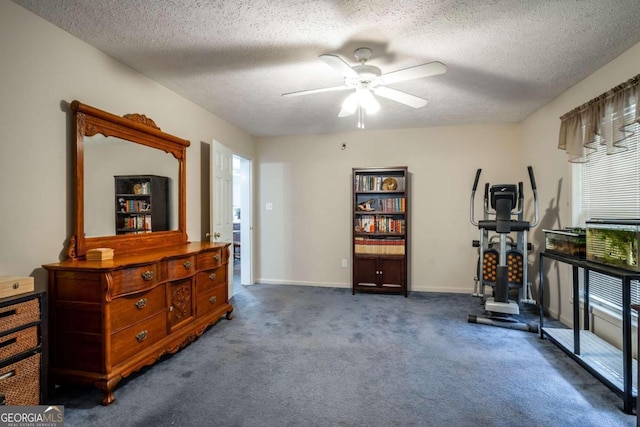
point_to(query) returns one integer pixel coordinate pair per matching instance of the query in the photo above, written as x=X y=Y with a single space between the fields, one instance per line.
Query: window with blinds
x=610 y=188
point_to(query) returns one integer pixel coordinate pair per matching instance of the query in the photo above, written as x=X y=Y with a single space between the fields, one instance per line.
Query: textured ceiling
x=505 y=58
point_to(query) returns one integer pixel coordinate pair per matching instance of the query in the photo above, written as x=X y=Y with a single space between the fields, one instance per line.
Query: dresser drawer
x=17 y=342
x=207 y=301
x=136 y=338
x=136 y=278
x=181 y=267
x=22 y=313
x=207 y=280
x=20 y=382
x=133 y=308
x=212 y=259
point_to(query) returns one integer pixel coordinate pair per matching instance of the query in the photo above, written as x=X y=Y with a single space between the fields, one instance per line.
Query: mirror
x=107 y=157
x=107 y=147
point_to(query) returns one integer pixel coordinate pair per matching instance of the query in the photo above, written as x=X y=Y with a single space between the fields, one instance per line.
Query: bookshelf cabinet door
x=366 y=271
x=392 y=272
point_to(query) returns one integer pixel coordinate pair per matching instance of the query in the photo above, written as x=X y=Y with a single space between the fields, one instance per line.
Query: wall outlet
x=344 y=262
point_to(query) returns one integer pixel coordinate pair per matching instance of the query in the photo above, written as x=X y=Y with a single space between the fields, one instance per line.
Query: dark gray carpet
x=309 y=356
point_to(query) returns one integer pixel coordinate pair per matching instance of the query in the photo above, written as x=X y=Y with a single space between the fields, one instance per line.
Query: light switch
x=269 y=206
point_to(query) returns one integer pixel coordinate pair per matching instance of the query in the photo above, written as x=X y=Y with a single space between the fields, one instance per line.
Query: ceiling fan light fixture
x=349 y=105
x=367 y=101
x=368 y=79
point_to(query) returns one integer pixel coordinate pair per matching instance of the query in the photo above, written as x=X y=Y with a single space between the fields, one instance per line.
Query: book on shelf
x=379 y=224
x=367 y=246
x=393 y=204
x=379 y=183
x=138 y=222
x=133 y=205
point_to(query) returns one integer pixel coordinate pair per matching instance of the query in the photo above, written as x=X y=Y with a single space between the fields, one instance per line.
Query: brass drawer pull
x=9 y=374
x=187 y=265
x=212 y=276
x=213 y=299
x=142 y=336
x=147 y=275
x=141 y=303
x=216 y=257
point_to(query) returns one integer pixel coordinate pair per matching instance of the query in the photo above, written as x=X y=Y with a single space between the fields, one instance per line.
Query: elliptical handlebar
x=532 y=179
x=486 y=198
x=475 y=182
x=473 y=195
x=536 y=206
x=520 y=196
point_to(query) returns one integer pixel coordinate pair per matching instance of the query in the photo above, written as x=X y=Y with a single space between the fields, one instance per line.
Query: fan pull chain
x=360 y=117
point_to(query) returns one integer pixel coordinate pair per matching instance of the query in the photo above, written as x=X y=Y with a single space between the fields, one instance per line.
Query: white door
x=222 y=200
x=246 y=191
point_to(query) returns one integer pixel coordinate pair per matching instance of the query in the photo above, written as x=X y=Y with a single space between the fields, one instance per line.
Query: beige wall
x=307 y=179
x=44 y=69
x=540 y=139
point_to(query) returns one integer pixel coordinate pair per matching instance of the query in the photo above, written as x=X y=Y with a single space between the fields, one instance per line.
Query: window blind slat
x=610 y=188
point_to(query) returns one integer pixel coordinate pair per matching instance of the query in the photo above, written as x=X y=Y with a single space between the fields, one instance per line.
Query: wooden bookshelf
x=141 y=204
x=380 y=229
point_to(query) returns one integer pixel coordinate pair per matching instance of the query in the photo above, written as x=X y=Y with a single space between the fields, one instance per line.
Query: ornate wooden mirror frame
x=138 y=129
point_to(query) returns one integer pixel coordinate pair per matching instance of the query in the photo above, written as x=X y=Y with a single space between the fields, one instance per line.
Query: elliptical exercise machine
x=503 y=246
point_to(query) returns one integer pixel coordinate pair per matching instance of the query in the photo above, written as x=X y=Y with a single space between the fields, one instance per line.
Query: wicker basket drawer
x=181 y=267
x=20 y=382
x=17 y=342
x=19 y=314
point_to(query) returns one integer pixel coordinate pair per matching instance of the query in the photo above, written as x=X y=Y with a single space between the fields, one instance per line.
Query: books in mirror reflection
x=99 y=254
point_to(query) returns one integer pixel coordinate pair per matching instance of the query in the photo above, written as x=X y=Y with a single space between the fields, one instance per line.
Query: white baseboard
x=441 y=289
x=302 y=283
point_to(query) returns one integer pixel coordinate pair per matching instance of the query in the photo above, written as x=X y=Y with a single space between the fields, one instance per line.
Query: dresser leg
x=108 y=387
x=229 y=315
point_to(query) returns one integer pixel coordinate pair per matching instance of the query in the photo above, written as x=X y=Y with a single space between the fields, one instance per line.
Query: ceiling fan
x=367 y=80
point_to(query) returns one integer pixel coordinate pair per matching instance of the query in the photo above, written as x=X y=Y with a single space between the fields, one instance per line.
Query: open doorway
x=228 y=196
x=241 y=222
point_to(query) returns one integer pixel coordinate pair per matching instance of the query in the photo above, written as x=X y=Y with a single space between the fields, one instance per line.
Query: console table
x=612 y=367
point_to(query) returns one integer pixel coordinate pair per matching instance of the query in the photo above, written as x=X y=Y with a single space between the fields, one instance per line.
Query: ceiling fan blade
x=416 y=72
x=344 y=112
x=349 y=106
x=339 y=65
x=401 y=97
x=310 y=91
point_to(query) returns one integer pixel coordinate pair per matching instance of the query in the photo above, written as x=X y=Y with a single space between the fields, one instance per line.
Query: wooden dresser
x=22 y=378
x=110 y=318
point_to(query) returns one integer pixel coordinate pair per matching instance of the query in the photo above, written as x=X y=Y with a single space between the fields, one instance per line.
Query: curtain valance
x=603 y=121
